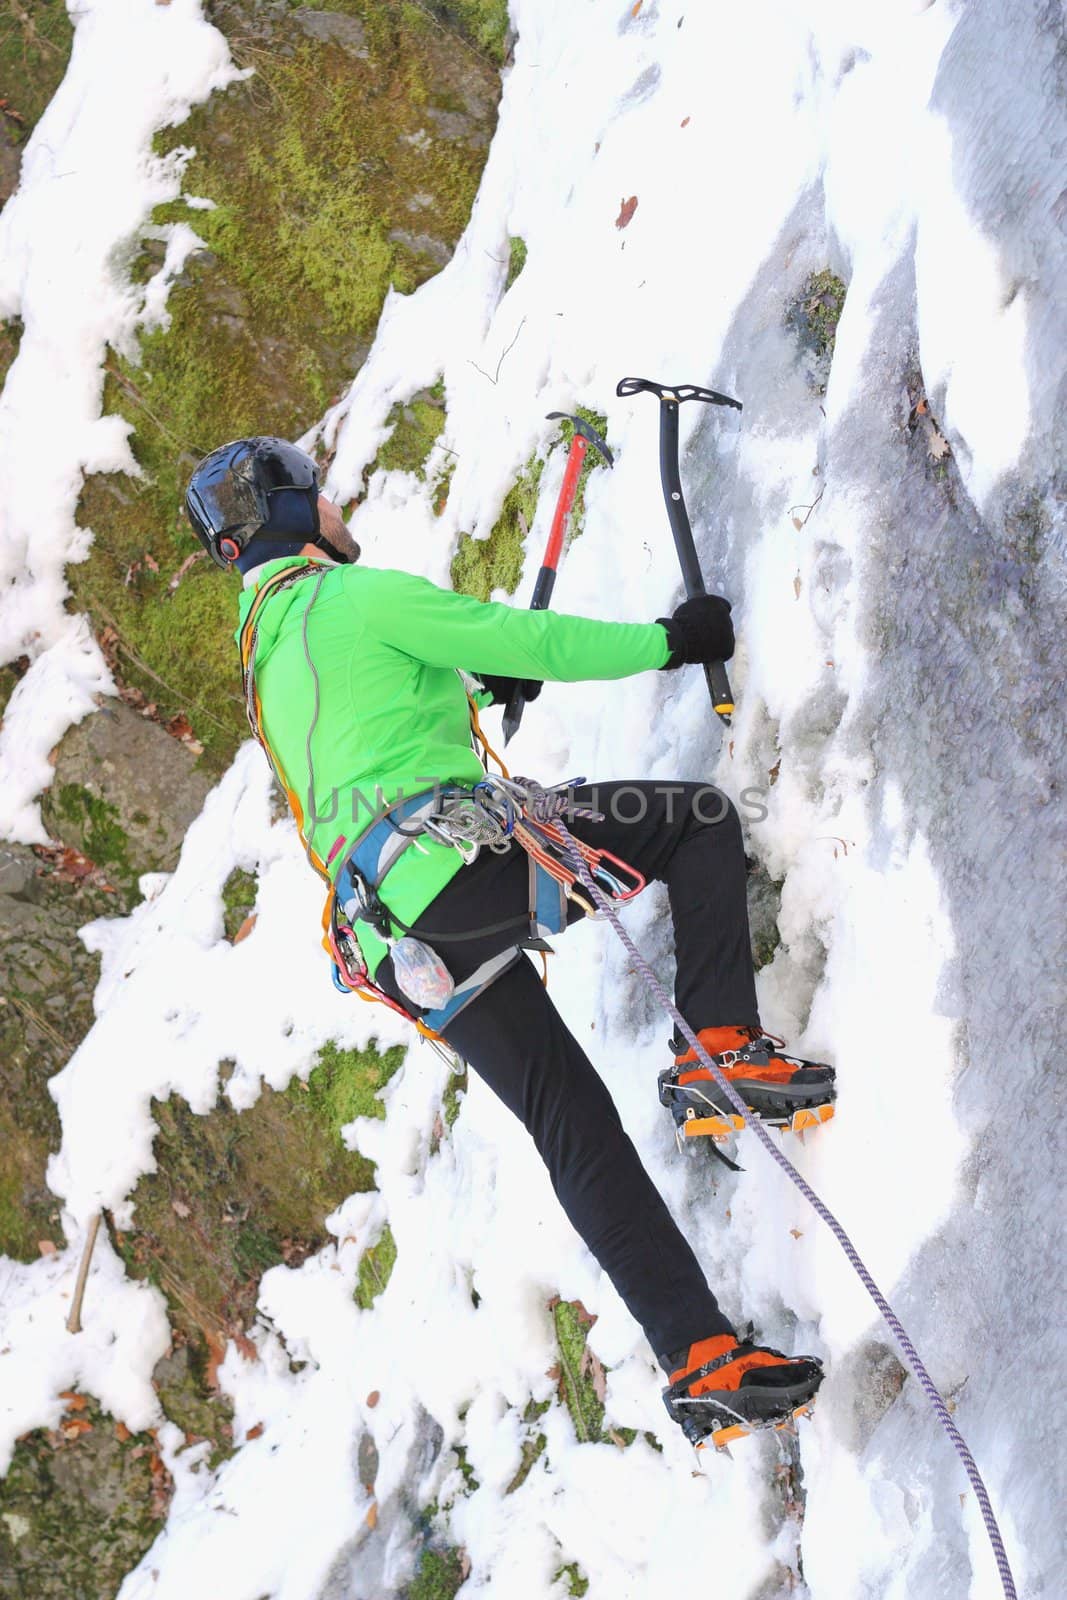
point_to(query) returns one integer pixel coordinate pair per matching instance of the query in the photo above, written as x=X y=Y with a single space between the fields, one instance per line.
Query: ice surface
x=899 y=682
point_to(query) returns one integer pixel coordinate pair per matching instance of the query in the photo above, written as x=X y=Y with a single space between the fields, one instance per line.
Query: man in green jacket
x=354 y=680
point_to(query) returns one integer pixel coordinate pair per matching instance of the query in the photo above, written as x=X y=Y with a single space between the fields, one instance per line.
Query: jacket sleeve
x=444 y=629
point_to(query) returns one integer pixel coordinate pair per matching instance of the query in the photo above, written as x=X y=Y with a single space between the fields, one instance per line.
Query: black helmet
x=253 y=486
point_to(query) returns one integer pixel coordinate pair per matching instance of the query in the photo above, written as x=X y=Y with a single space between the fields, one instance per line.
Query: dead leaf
x=937 y=445
x=617 y=1438
x=122 y=1433
x=180 y=1209
x=685 y=122
x=245 y=929
x=798 y=1233
x=179 y=726
x=775 y=770
x=150 y=562
x=75 y=1427
x=371 y=1518
x=797 y=523
x=46 y=1247
x=373 y=1398
x=75 y=1402
x=626 y=213
x=254 y=1433
x=464 y=1565
x=245 y=1345
x=796 y=585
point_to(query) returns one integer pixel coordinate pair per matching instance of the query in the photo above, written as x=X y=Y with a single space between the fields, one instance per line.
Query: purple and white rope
x=891 y=1318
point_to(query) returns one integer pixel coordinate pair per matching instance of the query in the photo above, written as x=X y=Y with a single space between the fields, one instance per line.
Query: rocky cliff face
x=346 y=162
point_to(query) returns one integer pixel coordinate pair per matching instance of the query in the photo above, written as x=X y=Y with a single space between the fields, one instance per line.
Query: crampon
x=724 y=1390
x=781 y=1089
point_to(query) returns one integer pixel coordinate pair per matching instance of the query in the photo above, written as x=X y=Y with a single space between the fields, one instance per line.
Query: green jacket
x=393 y=717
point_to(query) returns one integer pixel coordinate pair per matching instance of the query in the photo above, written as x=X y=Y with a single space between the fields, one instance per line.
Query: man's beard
x=342 y=541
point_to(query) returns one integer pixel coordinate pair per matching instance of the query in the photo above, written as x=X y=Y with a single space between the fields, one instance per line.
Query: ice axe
x=584 y=436
x=670 y=398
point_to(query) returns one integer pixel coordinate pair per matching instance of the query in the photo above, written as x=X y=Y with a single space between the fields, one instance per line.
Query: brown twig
x=142 y=666
x=38 y=1021
x=135 y=394
x=798 y=522
x=74 y=1321
x=507 y=352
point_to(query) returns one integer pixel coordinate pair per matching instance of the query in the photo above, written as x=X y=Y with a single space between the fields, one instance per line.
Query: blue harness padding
x=379 y=848
x=470 y=989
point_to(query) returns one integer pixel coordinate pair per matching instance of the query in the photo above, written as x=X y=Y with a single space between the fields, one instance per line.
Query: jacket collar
x=266 y=569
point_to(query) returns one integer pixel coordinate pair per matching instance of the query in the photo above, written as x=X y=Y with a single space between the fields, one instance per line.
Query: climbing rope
x=891 y=1318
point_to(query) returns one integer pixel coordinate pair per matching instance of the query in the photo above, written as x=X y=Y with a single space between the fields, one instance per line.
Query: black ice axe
x=670 y=398
x=584 y=436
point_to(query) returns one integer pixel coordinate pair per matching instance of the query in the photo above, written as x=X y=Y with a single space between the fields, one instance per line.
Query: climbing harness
x=819 y=1206
x=496 y=814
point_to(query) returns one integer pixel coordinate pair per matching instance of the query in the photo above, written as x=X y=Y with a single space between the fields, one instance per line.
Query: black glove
x=502 y=689
x=699 y=631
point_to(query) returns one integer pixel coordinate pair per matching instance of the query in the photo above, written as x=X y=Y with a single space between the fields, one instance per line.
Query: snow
x=891 y=658
x=87 y=183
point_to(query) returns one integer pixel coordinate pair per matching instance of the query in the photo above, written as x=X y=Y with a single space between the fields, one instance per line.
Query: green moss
x=415 y=429
x=238 y=900
x=453 y=1096
x=105 y=840
x=593 y=460
x=10 y=339
x=482 y=565
x=80 y=1508
x=375 y=1269
x=576 y=1385
x=323 y=197
x=235 y=1193
x=764 y=909
x=344 y=1084
x=28 y=1211
x=467 y=1473
x=533 y=1446
x=516 y=259
x=35 y=41
x=815 y=313
x=577 y=1582
x=439 y=1576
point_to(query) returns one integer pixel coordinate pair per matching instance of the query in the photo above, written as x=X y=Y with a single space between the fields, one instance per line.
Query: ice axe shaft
x=670 y=398
x=584 y=436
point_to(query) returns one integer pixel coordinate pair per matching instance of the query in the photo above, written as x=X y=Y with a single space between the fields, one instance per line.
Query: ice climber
x=356 y=682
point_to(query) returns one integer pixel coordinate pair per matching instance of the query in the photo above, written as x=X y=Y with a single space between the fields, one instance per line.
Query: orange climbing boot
x=720 y=1389
x=781 y=1089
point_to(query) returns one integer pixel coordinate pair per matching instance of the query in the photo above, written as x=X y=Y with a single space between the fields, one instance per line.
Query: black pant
x=689 y=836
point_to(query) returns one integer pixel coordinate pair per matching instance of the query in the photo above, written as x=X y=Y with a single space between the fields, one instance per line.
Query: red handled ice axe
x=670 y=399
x=584 y=436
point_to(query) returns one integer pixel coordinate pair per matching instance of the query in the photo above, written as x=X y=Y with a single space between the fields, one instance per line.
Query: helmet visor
x=223 y=503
